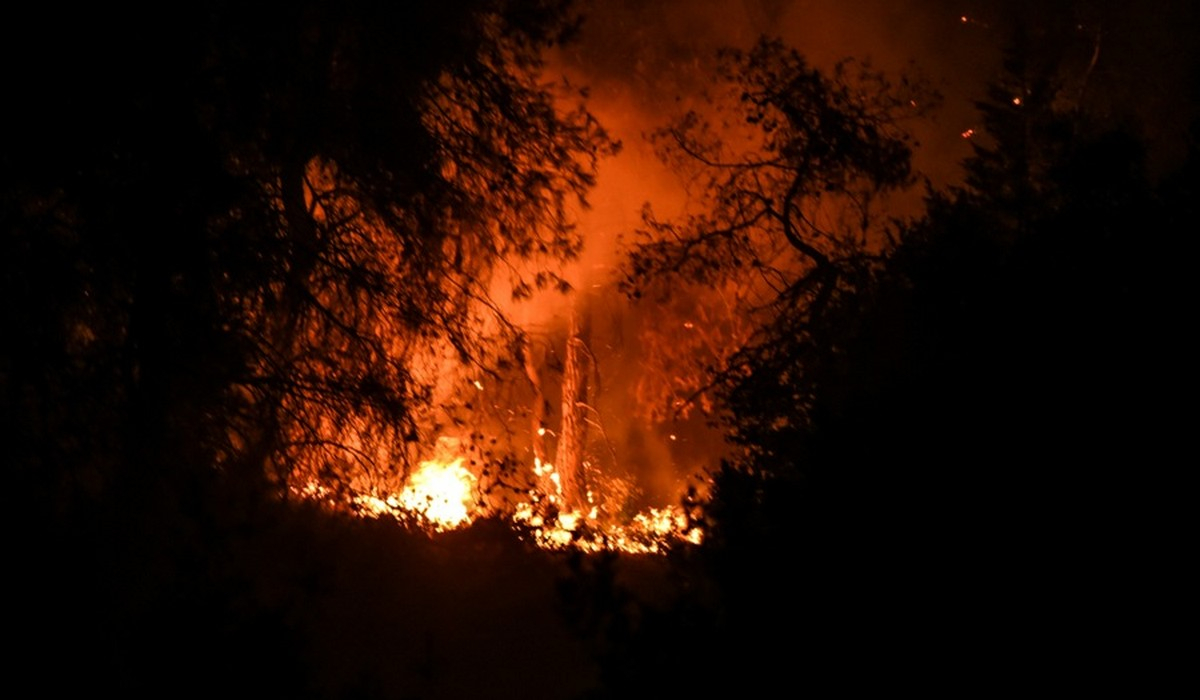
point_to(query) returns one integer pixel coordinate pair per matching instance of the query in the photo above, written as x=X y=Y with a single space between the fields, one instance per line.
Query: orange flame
x=438 y=495
x=652 y=531
x=441 y=496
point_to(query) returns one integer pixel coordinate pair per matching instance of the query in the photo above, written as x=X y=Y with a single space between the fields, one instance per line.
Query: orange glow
x=441 y=493
x=652 y=531
x=968 y=133
x=440 y=496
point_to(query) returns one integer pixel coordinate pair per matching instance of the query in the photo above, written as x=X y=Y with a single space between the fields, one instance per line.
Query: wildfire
x=650 y=532
x=439 y=495
x=442 y=495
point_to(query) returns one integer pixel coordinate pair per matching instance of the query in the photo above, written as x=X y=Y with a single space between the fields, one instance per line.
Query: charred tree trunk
x=573 y=436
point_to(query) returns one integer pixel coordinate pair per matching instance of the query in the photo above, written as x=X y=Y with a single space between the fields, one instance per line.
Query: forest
x=557 y=349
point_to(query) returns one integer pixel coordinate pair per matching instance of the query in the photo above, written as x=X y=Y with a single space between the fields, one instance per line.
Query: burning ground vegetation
x=569 y=474
x=539 y=410
x=452 y=490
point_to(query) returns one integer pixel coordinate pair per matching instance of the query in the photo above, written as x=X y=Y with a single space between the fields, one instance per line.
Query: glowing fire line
x=441 y=496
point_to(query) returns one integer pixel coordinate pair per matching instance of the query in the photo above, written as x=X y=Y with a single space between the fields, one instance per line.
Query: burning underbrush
x=444 y=494
x=551 y=430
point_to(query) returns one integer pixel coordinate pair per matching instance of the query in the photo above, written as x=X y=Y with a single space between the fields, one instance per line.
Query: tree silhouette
x=789 y=164
x=268 y=215
x=952 y=466
x=227 y=241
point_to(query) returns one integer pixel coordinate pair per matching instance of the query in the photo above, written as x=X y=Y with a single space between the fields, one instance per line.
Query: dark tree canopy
x=230 y=233
x=957 y=472
x=231 y=236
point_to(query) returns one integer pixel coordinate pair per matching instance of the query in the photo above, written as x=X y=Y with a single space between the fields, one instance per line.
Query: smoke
x=644 y=62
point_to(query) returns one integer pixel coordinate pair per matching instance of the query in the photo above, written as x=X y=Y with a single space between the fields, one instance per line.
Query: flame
x=652 y=531
x=441 y=496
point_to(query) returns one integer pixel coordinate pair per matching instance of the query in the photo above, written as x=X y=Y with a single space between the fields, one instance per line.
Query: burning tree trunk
x=573 y=435
x=540 y=405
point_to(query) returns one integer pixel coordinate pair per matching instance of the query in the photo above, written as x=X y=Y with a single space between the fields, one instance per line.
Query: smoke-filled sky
x=643 y=61
x=646 y=61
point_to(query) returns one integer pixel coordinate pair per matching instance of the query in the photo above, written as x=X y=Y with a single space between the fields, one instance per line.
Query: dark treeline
x=963 y=474
x=959 y=456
